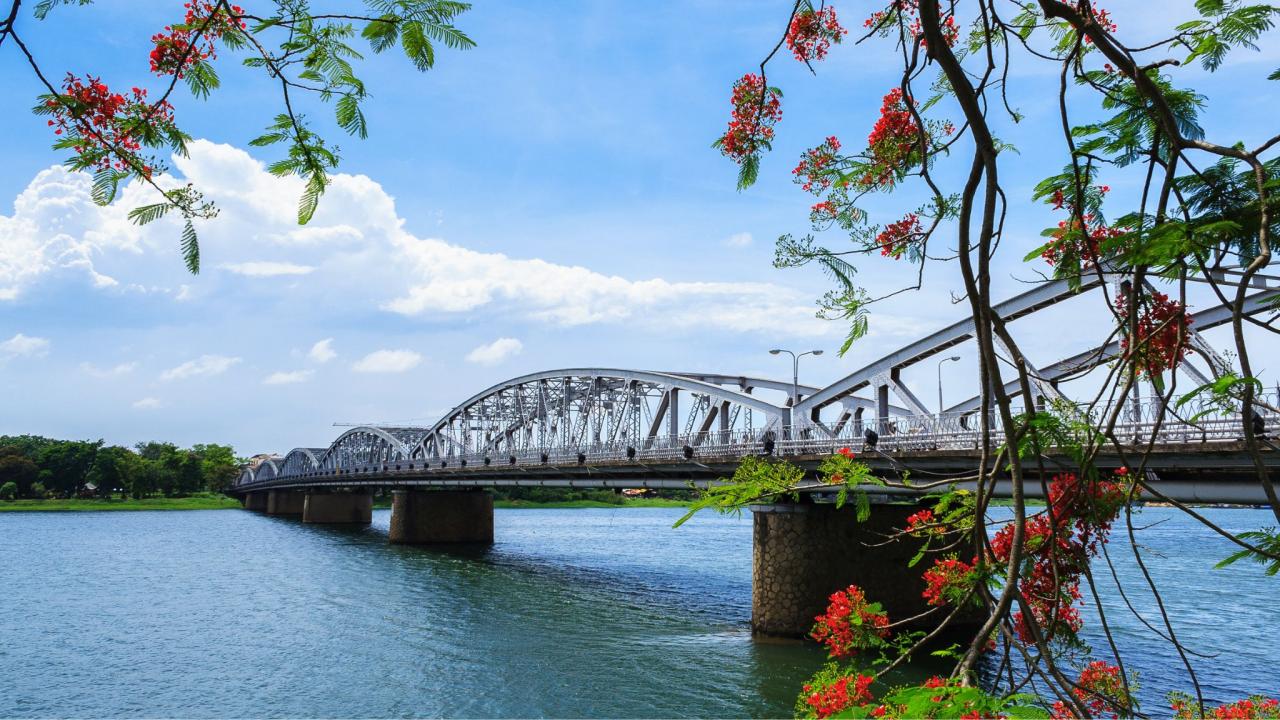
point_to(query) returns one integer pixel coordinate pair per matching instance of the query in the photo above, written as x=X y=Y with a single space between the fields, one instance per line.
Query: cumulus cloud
x=24 y=346
x=288 y=378
x=203 y=365
x=267 y=269
x=388 y=361
x=147 y=403
x=740 y=240
x=355 y=254
x=322 y=352
x=495 y=352
x=102 y=373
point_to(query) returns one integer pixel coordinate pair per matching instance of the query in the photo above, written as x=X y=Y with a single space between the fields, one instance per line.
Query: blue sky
x=548 y=199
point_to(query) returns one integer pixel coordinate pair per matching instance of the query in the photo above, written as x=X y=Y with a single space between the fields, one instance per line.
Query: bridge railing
x=938 y=432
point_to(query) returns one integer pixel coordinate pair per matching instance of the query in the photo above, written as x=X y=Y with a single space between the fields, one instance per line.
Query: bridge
x=621 y=428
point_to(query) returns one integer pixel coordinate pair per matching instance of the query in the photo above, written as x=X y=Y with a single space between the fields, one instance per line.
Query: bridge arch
x=370 y=444
x=301 y=460
x=583 y=410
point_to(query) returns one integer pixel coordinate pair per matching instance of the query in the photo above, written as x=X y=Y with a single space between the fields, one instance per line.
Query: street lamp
x=795 y=370
x=945 y=359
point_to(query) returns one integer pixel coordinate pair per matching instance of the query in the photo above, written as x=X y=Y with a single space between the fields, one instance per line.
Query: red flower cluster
x=1162 y=330
x=1076 y=242
x=847 y=453
x=894 y=142
x=756 y=109
x=1103 y=18
x=840 y=634
x=811 y=34
x=918 y=524
x=103 y=126
x=880 y=21
x=195 y=40
x=839 y=695
x=814 y=172
x=1101 y=689
x=897 y=236
x=948 y=581
x=1252 y=708
x=1058 y=544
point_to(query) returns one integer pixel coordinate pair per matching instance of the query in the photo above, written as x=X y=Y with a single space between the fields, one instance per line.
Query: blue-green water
x=572 y=613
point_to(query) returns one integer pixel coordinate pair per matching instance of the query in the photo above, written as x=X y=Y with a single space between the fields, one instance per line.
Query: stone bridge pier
x=802 y=553
x=255 y=501
x=350 y=508
x=424 y=517
x=285 y=502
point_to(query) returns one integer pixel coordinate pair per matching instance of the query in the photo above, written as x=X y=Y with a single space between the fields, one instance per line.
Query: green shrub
x=8 y=491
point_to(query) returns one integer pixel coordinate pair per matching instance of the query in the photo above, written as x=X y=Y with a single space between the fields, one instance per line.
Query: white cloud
x=288 y=378
x=121 y=369
x=267 y=269
x=23 y=346
x=740 y=240
x=356 y=255
x=388 y=361
x=147 y=403
x=322 y=352
x=495 y=352
x=203 y=365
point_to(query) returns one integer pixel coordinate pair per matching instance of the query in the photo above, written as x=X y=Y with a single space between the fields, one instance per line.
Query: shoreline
x=222 y=502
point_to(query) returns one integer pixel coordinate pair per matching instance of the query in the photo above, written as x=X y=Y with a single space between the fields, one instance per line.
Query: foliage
x=116 y=135
x=8 y=491
x=1267 y=540
x=65 y=468
x=756 y=479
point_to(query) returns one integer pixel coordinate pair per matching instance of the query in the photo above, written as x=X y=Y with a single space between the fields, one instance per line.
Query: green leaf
x=149 y=213
x=201 y=79
x=106 y=181
x=749 y=171
x=350 y=117
x=310 y=198
x=191 y=248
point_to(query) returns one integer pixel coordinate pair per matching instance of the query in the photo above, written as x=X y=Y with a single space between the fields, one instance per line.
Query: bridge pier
x=255 y=501
x=445 y=516
x=285 y=502
x=802 y=553
x=354 y=508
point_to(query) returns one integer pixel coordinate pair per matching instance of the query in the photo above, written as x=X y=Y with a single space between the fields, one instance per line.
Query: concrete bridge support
x=285 y=502
x=444 y=516
x=354 y=508
x=802 y=553
x=255 y=501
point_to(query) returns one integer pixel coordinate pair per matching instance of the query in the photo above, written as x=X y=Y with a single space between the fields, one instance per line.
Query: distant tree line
x=37 y=467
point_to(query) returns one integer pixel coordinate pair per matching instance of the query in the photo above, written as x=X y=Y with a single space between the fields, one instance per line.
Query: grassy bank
x=194 y=502
x=628 y=503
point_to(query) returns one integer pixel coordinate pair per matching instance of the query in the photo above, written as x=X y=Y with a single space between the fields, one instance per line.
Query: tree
x=8 y=491
x=65 y=465
x=118 y=136
x=113 y=470
x=1204 y=212
x=219 y=465
x=17 y=468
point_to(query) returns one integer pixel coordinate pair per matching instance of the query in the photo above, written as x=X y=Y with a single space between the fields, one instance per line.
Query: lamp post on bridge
x=940 y=405
x=795 y=370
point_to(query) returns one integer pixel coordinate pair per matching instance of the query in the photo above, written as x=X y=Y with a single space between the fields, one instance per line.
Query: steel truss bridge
x=602 y=427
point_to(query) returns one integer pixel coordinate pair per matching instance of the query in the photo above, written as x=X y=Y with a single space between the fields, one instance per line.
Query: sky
x=549 y=199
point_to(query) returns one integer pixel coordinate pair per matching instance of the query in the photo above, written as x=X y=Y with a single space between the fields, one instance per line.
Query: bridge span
x=621 y=428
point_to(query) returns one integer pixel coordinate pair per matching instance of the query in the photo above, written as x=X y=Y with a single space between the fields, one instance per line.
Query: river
x=572 y=613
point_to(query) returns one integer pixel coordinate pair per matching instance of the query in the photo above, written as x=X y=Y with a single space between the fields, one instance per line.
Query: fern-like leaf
x=191 y=248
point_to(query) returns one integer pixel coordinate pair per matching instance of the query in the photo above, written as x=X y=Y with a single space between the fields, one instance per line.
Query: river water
x=572 y=613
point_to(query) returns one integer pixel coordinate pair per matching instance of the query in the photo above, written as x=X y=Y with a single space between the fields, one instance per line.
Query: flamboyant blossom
x=850 y=623
x=817 y=168
x=106 y=129
x=948 y=581
x=844 y=693
x=812 y=32
x=756 y=109
x=1256 y=707
x=896 y=237
x=1057 y=545
x=908 y=11
x=194 y=40
x=1160 y=341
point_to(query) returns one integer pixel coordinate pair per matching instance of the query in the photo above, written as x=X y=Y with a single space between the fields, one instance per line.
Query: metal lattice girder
x=1041 y=297
x=592 y=408
x=747 y=384
x=369 y=444
x=1203 y=320
x=302 y=460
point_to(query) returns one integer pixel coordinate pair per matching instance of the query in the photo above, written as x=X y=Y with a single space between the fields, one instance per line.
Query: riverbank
x=194 y=502
x=222 y=502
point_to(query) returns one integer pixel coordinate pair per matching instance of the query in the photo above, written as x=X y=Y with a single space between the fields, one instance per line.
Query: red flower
x=812 y=32
x=847 y=453
x=1162 y=328
x=948 y=581
x=897 y=236
x=756 y=109
x=840 y=633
